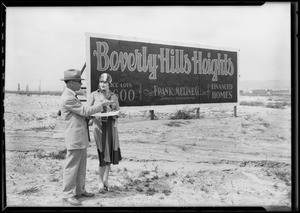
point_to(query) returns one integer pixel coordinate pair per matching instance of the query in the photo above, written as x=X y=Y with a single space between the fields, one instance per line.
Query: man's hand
x=114 y=106
x=90 y=120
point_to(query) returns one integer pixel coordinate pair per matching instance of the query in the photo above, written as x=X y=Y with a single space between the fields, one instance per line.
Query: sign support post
x=235 y=111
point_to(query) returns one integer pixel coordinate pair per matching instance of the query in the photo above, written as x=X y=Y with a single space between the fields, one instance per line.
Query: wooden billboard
x=147 y=72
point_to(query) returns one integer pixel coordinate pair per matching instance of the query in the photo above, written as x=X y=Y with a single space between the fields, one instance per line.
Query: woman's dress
x=105 y=130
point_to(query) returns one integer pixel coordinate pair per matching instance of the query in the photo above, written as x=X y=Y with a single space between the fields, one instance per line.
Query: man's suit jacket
x=74 y=113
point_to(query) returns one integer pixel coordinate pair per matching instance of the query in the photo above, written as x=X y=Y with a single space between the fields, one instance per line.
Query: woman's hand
x=114 y=106
x=107 y=102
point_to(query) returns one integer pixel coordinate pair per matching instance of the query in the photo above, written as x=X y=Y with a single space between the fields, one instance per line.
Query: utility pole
x=27 y=89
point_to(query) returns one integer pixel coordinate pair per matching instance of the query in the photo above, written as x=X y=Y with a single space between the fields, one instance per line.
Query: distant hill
x=270 y=84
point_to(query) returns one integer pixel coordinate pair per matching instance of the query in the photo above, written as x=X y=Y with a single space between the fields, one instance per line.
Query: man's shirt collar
x=71 y=91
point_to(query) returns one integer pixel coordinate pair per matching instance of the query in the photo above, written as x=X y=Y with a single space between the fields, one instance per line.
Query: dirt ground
x=215 y=160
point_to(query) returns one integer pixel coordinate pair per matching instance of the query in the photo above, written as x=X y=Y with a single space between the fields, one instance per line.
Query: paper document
x=106 y=114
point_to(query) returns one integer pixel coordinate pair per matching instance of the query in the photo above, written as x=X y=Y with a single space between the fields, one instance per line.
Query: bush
x=184 y=114
x=265 y=124
x=151 y=191
x=278 y=105
x=166 y=191
x=59 y=155
x=252 y=103
x=29 y=190
x=174 y=123
x=40 y=153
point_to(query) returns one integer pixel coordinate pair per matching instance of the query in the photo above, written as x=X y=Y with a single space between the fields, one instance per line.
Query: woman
x=105 y=131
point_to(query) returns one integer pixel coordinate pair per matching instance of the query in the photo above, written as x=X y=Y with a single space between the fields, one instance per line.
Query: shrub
x=143 y=173
x=265 y=124
x=252 y=103
x=40 y=153
x=59 y=155
x=155 y=177
x=183 y=114
x=139 y=189
x=205 y=189
x=174 y=123
x=280 y=137
x=259 y=130
x=244 y=125
x=166 y=192
x=278 y=105
x=29 y=190
x=54 y=179
x=283 y=175
x=183 y=148
x=151 y=191
x=43 y=127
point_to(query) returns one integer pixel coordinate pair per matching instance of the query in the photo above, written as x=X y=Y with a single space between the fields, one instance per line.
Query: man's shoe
x=87 y=194
x=73 y=201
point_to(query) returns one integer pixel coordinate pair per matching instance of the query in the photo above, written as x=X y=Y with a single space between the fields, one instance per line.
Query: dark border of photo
x=81 y=3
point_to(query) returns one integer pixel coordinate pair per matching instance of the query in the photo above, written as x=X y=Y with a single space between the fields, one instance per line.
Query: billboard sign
x=147 y=72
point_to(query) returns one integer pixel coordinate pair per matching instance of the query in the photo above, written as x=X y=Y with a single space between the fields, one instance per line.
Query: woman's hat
x=105 y=77
x=72 y=74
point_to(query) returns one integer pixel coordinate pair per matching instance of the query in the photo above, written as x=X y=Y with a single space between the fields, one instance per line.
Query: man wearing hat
x=76 y=136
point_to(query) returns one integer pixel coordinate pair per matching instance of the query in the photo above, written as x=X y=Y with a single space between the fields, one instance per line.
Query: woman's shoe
x=106 y=187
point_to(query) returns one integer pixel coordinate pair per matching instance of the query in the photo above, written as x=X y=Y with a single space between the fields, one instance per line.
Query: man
x=76 y=137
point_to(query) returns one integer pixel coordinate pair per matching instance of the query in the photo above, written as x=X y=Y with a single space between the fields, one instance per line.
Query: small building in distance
x=265 y=92
x=261 y=92
x=280 y=92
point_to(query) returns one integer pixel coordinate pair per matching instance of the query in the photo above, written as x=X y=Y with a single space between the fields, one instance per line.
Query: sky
x=43 y=42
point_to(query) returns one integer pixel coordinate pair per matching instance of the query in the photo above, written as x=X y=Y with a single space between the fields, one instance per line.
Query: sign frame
x=151 y=41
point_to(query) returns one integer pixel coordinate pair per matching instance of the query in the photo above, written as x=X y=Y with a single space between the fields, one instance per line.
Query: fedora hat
x=72 y=74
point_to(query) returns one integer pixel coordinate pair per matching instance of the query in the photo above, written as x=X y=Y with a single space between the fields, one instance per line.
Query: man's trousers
x=74 y=173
